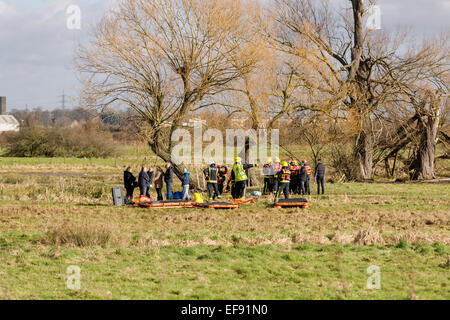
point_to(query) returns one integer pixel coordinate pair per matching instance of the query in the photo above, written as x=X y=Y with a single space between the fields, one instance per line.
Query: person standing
x=319 y=176
x=308 y=177
x=221 y=177
x=303 y=176
x=159 y=184
x=284 y=176
x=211 y=180
x=239 y=177
x=276 y=165
x=144 y=182
x=185 y=185
x=129 y=181
x=151 y=175
x=168 y=179
x=268 y=173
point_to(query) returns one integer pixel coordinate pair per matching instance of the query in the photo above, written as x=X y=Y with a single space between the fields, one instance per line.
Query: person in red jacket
x=308 y=177
x=221 y=177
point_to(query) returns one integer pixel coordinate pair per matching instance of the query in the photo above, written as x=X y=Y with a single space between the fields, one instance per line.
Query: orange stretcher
x=217 y=205
x=243 y=201
x=292 y=203
x=165 y=204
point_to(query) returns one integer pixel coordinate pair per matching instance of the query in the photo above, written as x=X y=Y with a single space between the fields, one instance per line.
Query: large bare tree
x=162 y=58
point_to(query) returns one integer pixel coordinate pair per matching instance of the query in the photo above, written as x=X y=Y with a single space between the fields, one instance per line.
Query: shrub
x=85 y=142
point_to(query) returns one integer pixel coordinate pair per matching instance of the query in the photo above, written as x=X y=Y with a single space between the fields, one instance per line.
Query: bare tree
x=357 y=72
x=162 y=58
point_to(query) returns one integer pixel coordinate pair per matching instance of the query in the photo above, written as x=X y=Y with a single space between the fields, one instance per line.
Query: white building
x=7 y=122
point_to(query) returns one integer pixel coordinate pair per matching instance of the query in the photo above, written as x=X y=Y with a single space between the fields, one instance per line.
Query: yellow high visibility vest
x=239 y=173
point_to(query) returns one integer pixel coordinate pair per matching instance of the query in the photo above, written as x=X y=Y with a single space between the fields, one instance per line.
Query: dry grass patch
x=81 y=234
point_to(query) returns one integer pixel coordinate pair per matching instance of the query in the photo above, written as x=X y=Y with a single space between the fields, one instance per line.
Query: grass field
x=55 y=213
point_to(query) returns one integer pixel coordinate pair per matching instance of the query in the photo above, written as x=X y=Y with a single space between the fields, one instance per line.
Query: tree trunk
x=251 y=173
x=364 y=156
x=177 y=169
x=423 y=164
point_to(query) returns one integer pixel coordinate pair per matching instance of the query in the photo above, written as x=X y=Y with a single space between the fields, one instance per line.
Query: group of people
x=157 y=177
x=292 y=177
x=279 y=178
x=216 y=175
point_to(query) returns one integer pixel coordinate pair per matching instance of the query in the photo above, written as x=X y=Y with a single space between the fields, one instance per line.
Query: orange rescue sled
x=292 y=203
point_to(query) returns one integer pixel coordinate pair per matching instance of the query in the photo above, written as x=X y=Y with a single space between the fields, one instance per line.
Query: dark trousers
x=144 y=190
x=220 y=187
x=275 y=186
x=233 y=191
x=283 y=188
x=130 y=193
x=159 y=192
x=294 y=184
x=320 y=183
x=213 y=190
x=302 y=187
x=169 y=195
x=307 y=189
x=266 y=185
x=240 y=189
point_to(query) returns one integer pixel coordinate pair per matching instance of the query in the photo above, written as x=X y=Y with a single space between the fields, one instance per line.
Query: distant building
x=7 y=122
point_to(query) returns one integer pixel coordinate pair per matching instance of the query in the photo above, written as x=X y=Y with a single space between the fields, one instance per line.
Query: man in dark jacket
x=144 y=182
x=151 y=175
x=211 y=180
x=129 y=181
x=319 y=176
x=303 y=177
x=168 y=179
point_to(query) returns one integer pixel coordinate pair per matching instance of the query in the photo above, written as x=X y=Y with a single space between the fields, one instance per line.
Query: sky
x=37 y=49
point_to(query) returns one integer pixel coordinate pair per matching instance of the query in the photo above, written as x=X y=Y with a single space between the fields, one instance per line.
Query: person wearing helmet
x=268 y=173
x=211 y=180
x=239 y=177
x=221 y=177
x=303 y=176
x=274 y=179
x=284 y=176
x=294 y=185
x=308 y=177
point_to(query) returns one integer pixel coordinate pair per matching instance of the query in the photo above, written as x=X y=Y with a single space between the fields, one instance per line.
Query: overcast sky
x=36 y=47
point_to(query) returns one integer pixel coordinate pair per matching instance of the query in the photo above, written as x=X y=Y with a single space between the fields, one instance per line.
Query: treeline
x=77 y=132
x=87 y=141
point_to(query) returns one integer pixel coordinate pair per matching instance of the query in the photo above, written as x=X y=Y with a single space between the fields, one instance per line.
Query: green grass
x=218 y=272
x=51 y=221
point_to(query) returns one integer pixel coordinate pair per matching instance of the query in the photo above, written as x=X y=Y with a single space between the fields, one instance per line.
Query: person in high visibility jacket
x=284 y=176
x=239 y=177
x=308 y=177
x=211 y=180
x=294 y=186
x=276 y=165
x=268 y=173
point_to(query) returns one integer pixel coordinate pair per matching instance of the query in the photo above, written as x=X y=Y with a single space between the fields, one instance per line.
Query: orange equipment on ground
x=241 y=201
x=292 y=203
